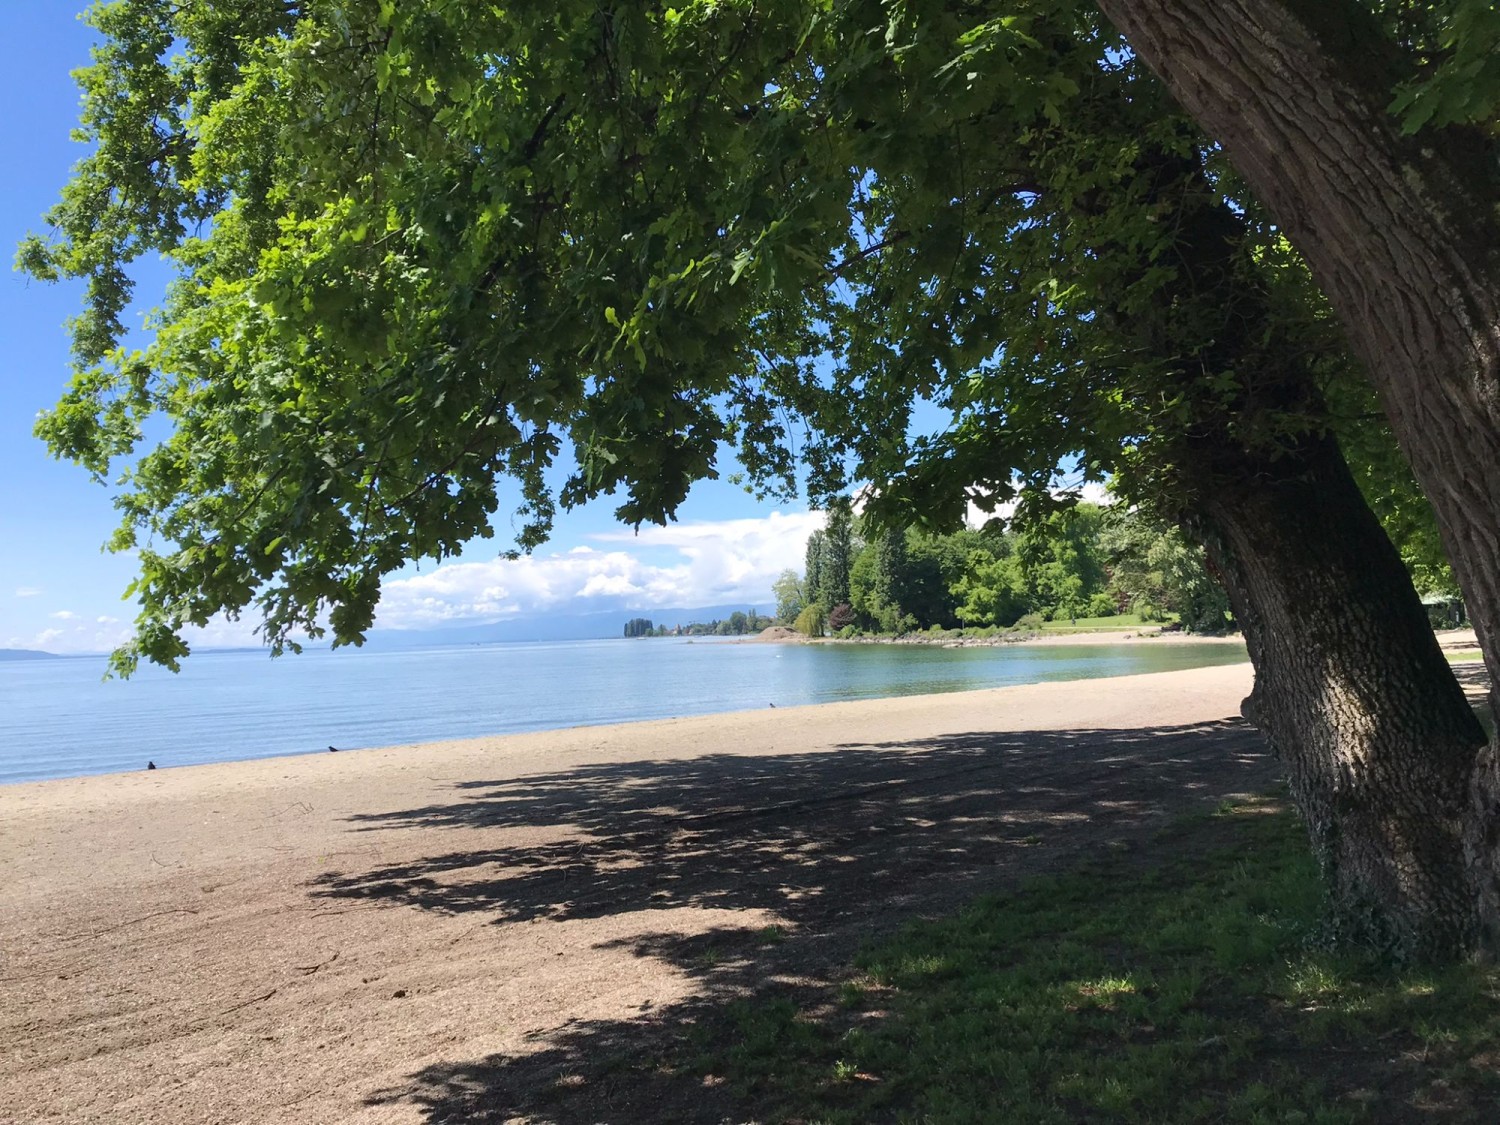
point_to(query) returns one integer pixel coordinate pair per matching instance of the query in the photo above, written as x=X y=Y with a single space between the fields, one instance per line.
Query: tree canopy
x=435 y=260
x=1080 y=561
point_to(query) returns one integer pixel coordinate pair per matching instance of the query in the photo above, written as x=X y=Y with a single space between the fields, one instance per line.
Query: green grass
x=1096 y=624
x=1184 y=993
x=1464 y=655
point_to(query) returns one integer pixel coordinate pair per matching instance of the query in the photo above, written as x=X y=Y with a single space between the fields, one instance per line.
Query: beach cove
x=62 y=721
x=463 y=930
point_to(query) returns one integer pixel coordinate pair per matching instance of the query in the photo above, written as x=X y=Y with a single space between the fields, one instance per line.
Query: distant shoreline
x=782 y=635
x=1450 y=640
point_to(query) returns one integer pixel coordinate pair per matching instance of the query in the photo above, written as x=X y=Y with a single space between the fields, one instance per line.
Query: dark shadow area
x=842 y=844
x=816 y=837
x=1473 y=679
x=594 y=1072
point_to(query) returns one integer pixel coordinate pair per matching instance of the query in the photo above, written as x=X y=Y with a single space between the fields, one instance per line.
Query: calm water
x=57 y=719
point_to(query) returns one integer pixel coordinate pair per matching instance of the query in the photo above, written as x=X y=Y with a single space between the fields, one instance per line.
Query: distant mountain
x=598 y=625
x=549 y=627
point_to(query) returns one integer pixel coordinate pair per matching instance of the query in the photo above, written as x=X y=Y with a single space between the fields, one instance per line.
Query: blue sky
x=59 y=592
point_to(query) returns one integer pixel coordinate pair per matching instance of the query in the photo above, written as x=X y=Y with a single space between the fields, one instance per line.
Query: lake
x=57 y=719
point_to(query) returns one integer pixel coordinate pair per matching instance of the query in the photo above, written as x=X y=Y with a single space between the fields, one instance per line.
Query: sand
x=471 y=931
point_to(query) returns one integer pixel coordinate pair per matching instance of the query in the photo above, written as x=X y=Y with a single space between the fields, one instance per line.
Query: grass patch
x=1184 y=993
x=1095 y=624
x=1464 y=655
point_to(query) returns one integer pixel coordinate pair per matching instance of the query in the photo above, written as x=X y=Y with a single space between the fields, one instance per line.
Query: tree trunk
x=1404 y=249
x=1355 y=695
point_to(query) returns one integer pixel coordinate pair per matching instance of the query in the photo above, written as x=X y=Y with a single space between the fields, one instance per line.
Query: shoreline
x=1449 y=640
x=780 y=634
x=326 y=937
x=127 y=749
x=1135 y=635
x=1459 y=644
x=528 y=744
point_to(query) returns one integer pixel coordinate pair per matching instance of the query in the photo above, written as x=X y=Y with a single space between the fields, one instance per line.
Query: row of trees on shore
x=1083 y=560
x=737 y=624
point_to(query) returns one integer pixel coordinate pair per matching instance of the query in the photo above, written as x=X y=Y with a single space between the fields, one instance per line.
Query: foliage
x=737 y=624
x=1178 y=991
x=1158 y=574
x=1059 y=560
x=1081 y=561
x=935 y=564
x=992 y=591
x=878 y=581
x=435 y=259
x=812 y=575
x=839 y=550
x=811 y=621
x=1459 y=82
x=791 y=596
x=1389 y=488
x=831 y=555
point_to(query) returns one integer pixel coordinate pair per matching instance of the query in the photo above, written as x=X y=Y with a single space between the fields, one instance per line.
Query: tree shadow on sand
x=841 y=845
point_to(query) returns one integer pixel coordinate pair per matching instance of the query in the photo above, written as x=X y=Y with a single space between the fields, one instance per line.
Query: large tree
x=424 y=250
x=1199 y=379
x=1397 y=219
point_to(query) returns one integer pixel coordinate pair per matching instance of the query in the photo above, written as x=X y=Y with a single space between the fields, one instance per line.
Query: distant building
x=1445 y=611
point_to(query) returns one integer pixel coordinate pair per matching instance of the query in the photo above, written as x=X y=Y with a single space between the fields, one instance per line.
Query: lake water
x=57 y=719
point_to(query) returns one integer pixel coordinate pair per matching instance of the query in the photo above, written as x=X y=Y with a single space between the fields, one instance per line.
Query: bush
x=840 y=617
x=1102 y=605
x=1030 y=622
x=810 y=621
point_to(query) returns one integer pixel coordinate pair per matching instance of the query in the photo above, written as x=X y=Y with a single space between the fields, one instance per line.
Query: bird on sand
x=333 y=749
x=150 y=765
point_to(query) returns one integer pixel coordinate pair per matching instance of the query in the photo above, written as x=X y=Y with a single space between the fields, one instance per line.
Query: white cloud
x=28 y=591
x=220 y=632
x=74 y=636
x=1090 y=492
x=704 y=563
x=1094 y=492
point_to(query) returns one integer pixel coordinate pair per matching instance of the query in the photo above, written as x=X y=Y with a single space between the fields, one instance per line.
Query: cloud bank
x=686 y=564
x=681 y=565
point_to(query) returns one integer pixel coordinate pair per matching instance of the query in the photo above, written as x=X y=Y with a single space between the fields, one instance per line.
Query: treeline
x=737 y=624
x=1078 y=562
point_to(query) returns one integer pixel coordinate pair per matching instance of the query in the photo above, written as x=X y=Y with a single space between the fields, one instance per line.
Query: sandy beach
x=471 y=931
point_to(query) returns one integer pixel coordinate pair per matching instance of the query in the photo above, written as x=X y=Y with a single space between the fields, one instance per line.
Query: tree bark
x=1353 y=692
x=1351 y=686
x=1403 y=246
